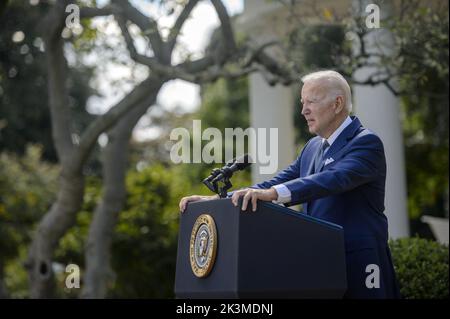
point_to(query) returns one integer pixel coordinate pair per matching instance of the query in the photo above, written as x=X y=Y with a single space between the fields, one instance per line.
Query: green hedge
x=421 y=267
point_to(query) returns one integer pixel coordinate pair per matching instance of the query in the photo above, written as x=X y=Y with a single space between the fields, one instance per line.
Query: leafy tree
x=227 y=58
x=426 y=109
x=224 y=105
x=145 y=241
x=145 y=237
x=24 y=112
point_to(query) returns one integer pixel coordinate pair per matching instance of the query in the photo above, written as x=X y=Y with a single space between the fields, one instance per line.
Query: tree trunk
x=72 y=156
x=98 y=250
x=52 y=227
x=70 y=195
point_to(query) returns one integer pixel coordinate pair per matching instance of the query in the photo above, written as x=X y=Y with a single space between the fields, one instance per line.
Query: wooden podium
x=274 y=252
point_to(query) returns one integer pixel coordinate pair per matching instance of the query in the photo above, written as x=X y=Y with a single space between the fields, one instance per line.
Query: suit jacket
x=348 y=189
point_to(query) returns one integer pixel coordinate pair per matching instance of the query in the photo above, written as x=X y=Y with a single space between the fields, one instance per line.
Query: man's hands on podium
x=249 y=194
x=194 y=198
x=252 y=195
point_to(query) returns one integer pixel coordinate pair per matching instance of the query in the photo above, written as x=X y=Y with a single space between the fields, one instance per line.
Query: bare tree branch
x=226 y=28
x=58 y=98
x=215 y=73
x=98 y=271
x=173 y=35
x=276 y=68
x=107 y=120
x=205 y=69
x=148 y=26
x=152 y=63
x=53 y=23
x=197 y=65
x=385 y=81
x=126 y=35
x=253 y=53
x=57 y=80
x=391 y=88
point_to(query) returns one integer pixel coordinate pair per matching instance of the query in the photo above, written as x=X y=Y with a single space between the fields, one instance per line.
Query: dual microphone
x=224 y=174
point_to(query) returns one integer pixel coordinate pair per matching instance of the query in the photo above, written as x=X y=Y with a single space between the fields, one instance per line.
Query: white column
x=272 y=107
x=378 y=109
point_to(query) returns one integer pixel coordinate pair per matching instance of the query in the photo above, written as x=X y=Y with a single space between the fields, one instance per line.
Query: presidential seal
x=203 y=245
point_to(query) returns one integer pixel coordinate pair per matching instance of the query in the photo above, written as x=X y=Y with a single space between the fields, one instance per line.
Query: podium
x=274 y=252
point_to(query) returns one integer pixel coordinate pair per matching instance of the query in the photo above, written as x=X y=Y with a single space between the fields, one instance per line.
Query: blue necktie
x=319 y=157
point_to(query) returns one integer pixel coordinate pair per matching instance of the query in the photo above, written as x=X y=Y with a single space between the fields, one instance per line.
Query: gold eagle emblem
x=203 y=245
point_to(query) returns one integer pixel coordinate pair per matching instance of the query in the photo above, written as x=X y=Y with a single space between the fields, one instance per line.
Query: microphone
x=224 y=174
x=237 y=164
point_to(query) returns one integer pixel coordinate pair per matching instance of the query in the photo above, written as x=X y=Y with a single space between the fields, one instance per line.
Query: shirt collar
x=333 y=137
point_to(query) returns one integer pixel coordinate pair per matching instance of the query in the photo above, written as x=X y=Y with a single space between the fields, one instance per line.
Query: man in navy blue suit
x=340 y=177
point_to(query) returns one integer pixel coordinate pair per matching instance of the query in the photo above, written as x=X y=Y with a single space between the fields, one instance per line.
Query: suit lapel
x=316 y=149
x=347 y=134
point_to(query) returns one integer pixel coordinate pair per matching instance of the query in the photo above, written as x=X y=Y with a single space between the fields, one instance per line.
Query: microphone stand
x=219 y=187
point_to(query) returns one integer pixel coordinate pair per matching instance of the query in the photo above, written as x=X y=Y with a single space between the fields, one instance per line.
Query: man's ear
x=339 y=104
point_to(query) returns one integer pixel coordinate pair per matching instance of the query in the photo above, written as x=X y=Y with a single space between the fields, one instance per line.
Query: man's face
x=318 y=109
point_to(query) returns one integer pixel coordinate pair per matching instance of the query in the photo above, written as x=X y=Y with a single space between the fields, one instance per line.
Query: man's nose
x=305 y=110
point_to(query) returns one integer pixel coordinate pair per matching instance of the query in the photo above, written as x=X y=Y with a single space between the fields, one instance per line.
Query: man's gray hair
x=334 y=80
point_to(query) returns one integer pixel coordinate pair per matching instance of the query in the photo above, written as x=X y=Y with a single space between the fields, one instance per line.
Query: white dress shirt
x=284 y=194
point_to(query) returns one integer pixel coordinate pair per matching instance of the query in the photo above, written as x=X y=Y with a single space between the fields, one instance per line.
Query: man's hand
x=253 y=195
x=194 y=198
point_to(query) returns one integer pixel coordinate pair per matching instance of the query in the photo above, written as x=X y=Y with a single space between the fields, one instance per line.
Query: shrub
x=421 y=267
